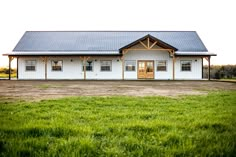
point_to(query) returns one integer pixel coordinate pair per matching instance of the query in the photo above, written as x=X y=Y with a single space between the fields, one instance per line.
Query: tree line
x=6 y=70
x=220 y=71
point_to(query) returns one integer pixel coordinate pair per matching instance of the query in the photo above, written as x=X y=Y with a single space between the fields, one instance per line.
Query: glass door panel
x=145 y=69
x=141 y=69
x=149 y=69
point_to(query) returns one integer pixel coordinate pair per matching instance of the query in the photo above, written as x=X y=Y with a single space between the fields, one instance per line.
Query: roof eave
x=195 y=55
x=18 y=55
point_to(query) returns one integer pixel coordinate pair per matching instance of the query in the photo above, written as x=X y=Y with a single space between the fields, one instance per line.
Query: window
x=185 y=65
x=89 y=66
x=161 y=66
x=130 y=65
x=30 y=65
x=105 y=65
x=57 y=65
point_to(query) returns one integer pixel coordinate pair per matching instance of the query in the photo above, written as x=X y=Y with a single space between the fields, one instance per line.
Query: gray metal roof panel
x=103 y=40
x=178 y=53
x=25 y=53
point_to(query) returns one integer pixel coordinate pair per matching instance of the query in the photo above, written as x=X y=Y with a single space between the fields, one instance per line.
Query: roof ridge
x=107 y=31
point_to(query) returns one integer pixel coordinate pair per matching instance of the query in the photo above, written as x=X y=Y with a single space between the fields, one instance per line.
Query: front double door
x=145 y=69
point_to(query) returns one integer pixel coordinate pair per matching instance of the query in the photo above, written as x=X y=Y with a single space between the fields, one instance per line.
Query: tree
x=220 y=71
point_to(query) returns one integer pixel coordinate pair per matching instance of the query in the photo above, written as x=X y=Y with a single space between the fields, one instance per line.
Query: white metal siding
x=194 y=74
x=115 y=73
x=74 y=70
x=149 y=55
x=72 y=67
x=37 y=74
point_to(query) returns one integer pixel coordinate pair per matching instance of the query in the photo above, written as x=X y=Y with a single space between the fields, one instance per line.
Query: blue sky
x=213 y=20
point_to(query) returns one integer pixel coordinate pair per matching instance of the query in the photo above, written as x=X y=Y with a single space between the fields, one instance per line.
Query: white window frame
x=105 y=65
x=53 y=62
x=35 y=63
x=181 y=65
x=87 y=65
x=166 y=65
x=132 y=70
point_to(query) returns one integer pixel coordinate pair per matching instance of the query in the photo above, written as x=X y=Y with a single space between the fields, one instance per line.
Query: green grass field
x=120 y=126
x=229 y=80
x=4 y=72
x=3 y=75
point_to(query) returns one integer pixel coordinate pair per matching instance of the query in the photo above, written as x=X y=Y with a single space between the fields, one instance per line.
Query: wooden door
x=149 y=69
x=145 y=69
x=141 y=70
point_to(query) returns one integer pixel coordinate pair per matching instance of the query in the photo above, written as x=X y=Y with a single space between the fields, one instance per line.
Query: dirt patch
x=38 y=90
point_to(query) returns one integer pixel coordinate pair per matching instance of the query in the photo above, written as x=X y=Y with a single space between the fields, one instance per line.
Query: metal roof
x=68 y=41
x=178 y=53
x=64 y=53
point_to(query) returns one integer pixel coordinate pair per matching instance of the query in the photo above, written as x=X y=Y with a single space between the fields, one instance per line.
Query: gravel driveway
x=38 y=90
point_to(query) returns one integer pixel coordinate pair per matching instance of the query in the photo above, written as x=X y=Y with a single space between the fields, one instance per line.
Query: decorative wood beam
x=208 y=59
x=148 y=43
x=10 y=59
x=153 y=44
x=173 y=65
x=84 y=61
x=123 y=68
x=45 y=61
x=41 y=59
x=17 y=65
x=123 y=63
x=172 y=53
x=209 y=68
x=124 y=52
x=46 y=67
x=130 y=49
x=143 y=44
x=9 y=71
x=202 y=67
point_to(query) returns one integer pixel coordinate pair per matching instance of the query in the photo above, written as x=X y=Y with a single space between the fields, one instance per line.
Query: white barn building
x=110 y=55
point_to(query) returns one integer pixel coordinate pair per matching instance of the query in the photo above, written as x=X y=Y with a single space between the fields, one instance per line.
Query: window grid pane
x=30 y=68
x=186 y=65
x=130 y=65
x=30 y=65
x=89 y=66
x=56 y=65
x=105 y=65
x=161 y=66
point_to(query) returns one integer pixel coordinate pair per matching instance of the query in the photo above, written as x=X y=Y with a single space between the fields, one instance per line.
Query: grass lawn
x=230 y=80
x=120 y=126
x=3 y=75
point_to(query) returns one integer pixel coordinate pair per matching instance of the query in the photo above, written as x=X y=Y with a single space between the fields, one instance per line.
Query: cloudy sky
x=213 y=20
